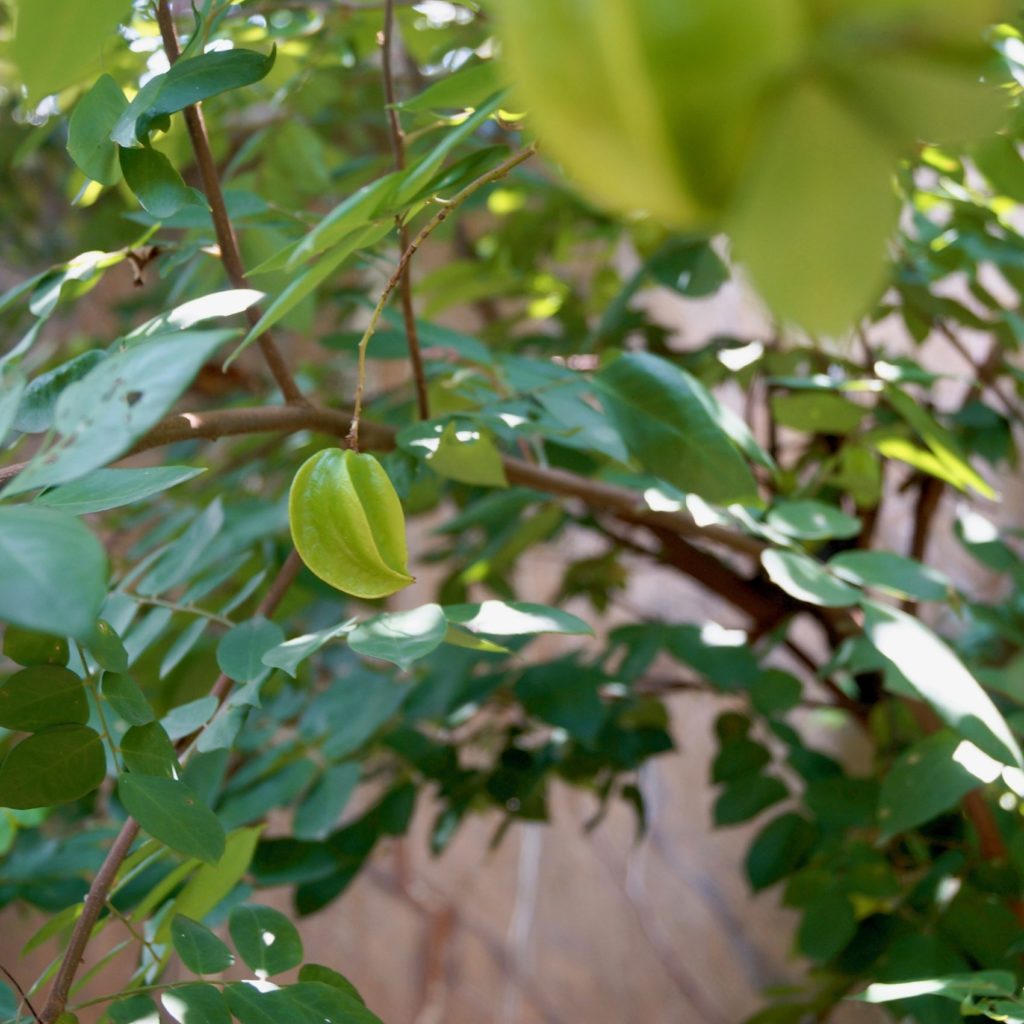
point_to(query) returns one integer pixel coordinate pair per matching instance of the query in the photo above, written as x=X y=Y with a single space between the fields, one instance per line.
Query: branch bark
x=230 y=254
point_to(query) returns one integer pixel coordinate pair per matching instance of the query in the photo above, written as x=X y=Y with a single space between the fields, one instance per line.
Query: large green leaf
x=60 y=42
x=930 y=778
x=53 y=572
x=39 y=697
x=468 y=456
x=89 y=128
x=101 y=415
x=189 y=81
x=147 y=750
x=170 y=812
x=663 y=417
x=158 y=187
x=779 y=849
x=125 y=697
x=292 y=653
x=52 y=767
x=941 y=679
x=515 y=618
x=815 y=256
x=265 y=939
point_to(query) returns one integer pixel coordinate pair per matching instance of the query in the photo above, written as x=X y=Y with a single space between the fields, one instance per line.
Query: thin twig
x=435 y=222
x=398 y=151
x=187 y=609
x=230 y=254
x=21 y=992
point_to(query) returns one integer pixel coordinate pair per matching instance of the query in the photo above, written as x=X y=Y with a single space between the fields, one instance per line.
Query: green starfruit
x=347 y=524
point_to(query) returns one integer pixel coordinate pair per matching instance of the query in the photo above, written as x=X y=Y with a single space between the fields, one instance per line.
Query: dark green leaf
x=828 y=926
x=40 y=697
x=26 y=647
x=196 y=1004
x=171 y=813
x=892 y=573
x=747 y=797
x=147 y=750
x=780 y=848
x=929 y=779
x=52 y=767
x=319 y=812
x=106 y=647
x=89 y=129
x=125 y=697
x=663 y=416
x=265 y=939
x=200 y=950
x=156 y=184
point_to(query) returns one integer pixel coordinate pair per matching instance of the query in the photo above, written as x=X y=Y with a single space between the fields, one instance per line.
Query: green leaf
x=106 y=647
x=400 y=637
x=265 y=939
x=328 y=976
x=467 y=87
x=52 y=767
x=40 y=697
x=780 y=848
x=468 y=456
x=53 y=572
x=775 y=692
x=817 y=412
x=127 y=700
x=953 y=465
x=200 y=950
x=147 y=750
x=212 y=882
x=357 y=710
x=103 y=414
x=290 y=654
x=829 y=925
x=39 y=401
x=310 y=280
x=136 y=1009
x=319 y=1002
x=172 y=814
x=941 y=679
x=197 y=1003
x=807 y=580
x=105 y=489
x=566 y=695
x=958 y=987
x=816 y=257
x=812 y=520
x=89 y=129
x=515 y=618
x=662 y=414
x=747 y=797
x=158 y=187
x=189 y=81
x=49 y=57
x=241 y=650
x=929 y=779
x=26 y=647
x=894 y=574
x=251 y=1006
x=319 y=812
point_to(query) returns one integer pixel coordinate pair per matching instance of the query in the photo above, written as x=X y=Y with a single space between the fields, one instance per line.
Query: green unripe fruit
x=347 y=524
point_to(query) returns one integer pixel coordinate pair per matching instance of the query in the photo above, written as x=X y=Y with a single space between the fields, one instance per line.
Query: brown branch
x=102 y=883
x=620 y=501
x=398 y=150
x=231 y=257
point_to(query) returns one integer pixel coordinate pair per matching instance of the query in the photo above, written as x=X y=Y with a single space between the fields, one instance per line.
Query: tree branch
x=398 y=150
x=231 y=257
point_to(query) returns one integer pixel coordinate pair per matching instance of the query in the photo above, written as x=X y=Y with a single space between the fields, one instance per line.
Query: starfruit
x=347 y=524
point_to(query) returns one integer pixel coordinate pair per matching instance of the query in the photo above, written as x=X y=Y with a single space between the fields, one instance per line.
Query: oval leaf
x=52 y=767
